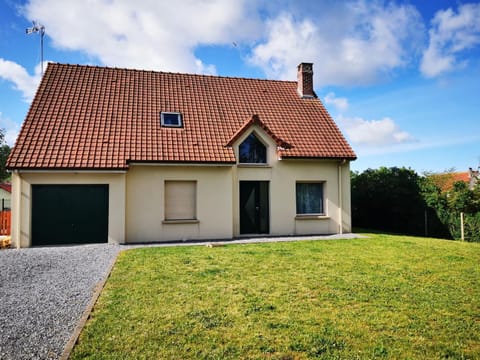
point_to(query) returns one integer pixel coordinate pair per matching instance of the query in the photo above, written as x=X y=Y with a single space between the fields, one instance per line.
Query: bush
x=472 y=227
x=450 y=203
x=398 y=200
x=388 y=199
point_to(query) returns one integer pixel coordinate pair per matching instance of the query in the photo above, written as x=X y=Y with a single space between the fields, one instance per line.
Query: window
x=180 y=200
x=171 y=119
x=310 y=198
x=252 y=151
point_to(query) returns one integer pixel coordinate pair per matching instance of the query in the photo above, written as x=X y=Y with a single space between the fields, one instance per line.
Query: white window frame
x=179 y=117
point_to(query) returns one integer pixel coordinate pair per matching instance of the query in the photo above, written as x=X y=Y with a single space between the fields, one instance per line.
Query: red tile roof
x=446 y=181
x=255 y=120
x=6 y=186
x=88 y=117
x=464 y=176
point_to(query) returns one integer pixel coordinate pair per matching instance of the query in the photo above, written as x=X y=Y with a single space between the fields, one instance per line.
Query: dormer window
x=252 y=151
x=171 y=119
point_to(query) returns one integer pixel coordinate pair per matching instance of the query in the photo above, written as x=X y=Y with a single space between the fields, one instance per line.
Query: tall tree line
x=399 y=200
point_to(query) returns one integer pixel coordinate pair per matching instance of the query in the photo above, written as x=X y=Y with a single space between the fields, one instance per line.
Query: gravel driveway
x=43 y=294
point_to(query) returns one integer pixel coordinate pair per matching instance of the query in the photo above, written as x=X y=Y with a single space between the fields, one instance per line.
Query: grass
x=384 y=297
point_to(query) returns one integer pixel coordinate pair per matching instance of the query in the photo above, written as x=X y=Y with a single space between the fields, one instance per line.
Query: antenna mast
x=38 y=28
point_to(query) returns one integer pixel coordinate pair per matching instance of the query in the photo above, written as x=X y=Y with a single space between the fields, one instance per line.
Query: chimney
x=305 y=80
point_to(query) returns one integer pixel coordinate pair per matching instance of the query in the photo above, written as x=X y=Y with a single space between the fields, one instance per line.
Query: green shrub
x=398 y=200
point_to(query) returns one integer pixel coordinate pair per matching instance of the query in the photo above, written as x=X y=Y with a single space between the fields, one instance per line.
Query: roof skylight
x=171 y=119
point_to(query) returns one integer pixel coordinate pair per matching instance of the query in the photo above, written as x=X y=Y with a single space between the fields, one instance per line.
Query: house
x=5 y=195
x=445 y=181
x=128 y=156
x=473 y=177
x=5 y=213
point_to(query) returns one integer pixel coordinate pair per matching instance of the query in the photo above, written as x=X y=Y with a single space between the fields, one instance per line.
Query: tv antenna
x=38 y=28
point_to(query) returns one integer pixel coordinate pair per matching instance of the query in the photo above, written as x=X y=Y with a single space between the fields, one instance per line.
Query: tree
x=388 y=199
x=398 y=200
x=449 y=202
x=4 y=153
x=391 y=199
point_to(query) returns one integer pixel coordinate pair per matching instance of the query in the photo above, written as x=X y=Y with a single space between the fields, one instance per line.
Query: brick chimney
x=305 y=80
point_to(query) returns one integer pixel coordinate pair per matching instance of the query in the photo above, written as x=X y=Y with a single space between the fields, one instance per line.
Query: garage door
x=69 y=214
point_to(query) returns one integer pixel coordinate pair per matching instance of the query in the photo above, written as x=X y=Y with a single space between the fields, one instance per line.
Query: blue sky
x=400 y=78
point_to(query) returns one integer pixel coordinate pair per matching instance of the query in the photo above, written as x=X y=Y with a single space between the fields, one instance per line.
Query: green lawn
x=391 y=297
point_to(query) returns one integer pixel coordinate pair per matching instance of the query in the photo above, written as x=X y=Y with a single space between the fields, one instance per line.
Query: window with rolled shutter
x=180 y=200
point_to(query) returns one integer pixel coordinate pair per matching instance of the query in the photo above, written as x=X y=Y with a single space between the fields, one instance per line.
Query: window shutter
x=180 y=200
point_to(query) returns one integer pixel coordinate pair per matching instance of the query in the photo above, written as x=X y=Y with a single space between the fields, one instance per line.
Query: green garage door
x=69 y=214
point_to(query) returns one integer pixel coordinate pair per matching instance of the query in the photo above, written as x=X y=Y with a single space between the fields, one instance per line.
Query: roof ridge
x=170 y=72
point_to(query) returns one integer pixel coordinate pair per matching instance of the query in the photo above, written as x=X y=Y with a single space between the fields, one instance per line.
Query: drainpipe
x=340 y=196
x=16 y=207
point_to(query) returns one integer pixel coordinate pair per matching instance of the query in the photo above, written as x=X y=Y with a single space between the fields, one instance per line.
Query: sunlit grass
x=381 y=297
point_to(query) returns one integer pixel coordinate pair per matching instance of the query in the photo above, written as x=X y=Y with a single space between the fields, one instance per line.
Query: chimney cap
x=305 y=67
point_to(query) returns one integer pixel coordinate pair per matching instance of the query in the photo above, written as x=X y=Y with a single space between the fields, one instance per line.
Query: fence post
x=462 y=232
x=426 y=222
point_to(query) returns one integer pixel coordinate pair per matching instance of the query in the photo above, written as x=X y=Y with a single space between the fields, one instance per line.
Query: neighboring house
x=128 y=156
x=474 y=177
x=445 y=181
x=5 y=195
x=5 y=213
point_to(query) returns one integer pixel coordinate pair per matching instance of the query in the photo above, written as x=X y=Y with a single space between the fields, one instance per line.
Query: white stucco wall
x=22 y=198
x=4 y=194
x=146 y=203
x=137 y=204
x=282 y=176
x=5 y=199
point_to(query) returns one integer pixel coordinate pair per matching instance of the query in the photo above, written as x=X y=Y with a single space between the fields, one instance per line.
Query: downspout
x=340 y=196
x=16 y=207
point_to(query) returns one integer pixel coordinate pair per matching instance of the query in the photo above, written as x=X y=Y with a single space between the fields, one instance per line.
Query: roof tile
x=88 y=117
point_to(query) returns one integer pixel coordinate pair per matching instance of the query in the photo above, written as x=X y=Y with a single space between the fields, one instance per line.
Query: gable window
x=180 y=200
x=310 y=198
x=171 y=119
x=252 y=151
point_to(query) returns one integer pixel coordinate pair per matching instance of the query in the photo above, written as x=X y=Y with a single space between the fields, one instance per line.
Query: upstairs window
x=252 y=151
x=171 y=119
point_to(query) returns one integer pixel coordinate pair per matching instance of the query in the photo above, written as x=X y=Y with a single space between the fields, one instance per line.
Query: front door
x=254 y=208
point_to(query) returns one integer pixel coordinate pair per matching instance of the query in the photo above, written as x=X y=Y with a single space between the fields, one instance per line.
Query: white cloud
x=24 y=82
x=340 y=103
x=366 y=40
x=374 y=132
x=352 y=43
x=11 y=129
x=450 y=35
x=288 y=44
x=148 y=34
